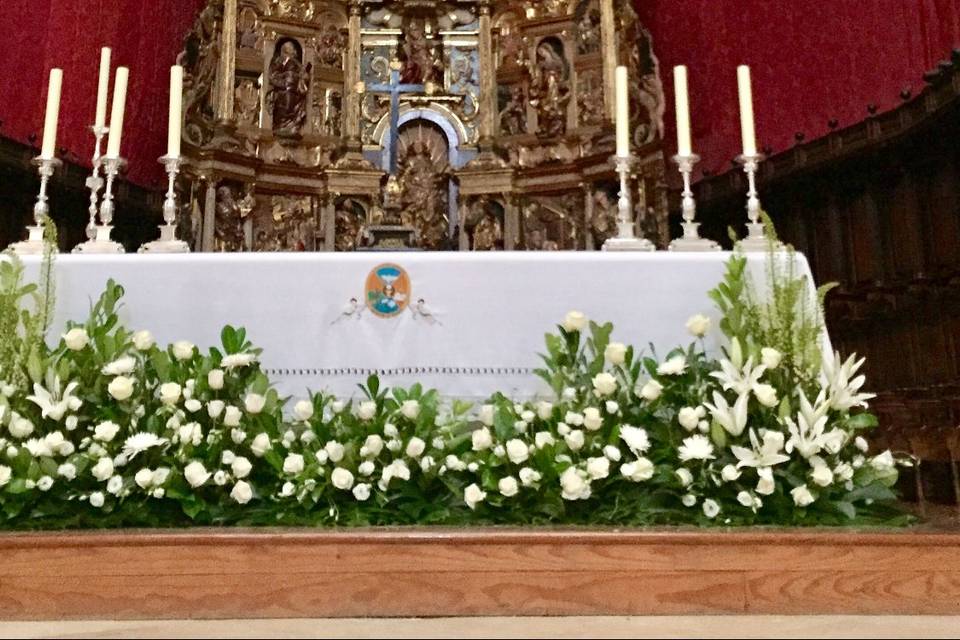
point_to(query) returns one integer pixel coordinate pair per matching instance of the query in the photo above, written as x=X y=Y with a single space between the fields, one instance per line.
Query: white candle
x=103 y=89
x=176 y=108
x=623 y=113
x=116 y=115
x=747 y=130
x=48 y=151
x=684 y=147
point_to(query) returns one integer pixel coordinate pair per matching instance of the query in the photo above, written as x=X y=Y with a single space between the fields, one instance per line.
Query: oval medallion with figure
x=388 y=290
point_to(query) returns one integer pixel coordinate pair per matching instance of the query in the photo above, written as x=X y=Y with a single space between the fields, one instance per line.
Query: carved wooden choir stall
x=322 y=125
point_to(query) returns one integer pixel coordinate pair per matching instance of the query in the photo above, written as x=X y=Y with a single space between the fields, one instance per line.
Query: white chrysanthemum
x=238 y=360
x=635 y=438
x=120 y=367
x=140 y=442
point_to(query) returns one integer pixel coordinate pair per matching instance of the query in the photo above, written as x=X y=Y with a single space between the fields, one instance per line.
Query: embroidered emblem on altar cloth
x=387 y=291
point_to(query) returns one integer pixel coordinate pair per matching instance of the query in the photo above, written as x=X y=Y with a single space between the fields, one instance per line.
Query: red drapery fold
x=812 y=61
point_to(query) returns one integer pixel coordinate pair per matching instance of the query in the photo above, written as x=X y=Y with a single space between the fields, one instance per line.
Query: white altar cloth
x=489 y=311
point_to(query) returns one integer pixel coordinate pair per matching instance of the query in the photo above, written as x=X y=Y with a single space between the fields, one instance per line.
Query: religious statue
x=513 y=117
x=537 y=240
x=348 y=223
x=330 y=44
x=420 y=65
x=589 y=32
x=229 y=221
x=550 y=88
x=488 y=234
x=423 y=199
x=290 y=84
x=247 y=103
x=248 y=35
x=603 y=224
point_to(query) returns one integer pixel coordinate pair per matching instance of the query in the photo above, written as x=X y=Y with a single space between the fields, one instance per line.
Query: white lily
x=743 y=379
x=732 y=419
x=765 y=454
x=55 y=402
x=837 y=378
x=806 y=436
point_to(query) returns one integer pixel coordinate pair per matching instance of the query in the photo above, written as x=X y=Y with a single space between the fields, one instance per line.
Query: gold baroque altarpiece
x=322 y=125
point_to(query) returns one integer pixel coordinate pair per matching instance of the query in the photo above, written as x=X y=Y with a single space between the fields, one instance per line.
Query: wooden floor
x=214 y=574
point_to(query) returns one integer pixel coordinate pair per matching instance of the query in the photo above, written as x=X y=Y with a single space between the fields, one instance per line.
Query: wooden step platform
x=448 y=572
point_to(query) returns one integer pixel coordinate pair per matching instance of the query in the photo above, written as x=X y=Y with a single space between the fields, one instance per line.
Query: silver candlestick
x=168 y=242
x=756 y=239
x=102 y=242
x=95 y=182
x=34 y=244
x=626 y=239
x=691 y=240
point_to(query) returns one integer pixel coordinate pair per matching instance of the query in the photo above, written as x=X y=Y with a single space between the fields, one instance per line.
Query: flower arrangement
x=110 y=429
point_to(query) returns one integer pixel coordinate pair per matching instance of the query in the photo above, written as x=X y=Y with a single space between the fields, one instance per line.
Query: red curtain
x=812 y=61
x=37 y=35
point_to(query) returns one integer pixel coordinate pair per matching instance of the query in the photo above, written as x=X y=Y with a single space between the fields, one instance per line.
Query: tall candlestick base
x=35 y=244
x=102 y=242
x=168 y=242
x=756 y=239
x=95 y=182
x=627 y=239
x=691 y=240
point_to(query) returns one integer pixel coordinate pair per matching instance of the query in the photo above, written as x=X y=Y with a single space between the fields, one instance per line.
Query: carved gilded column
x=209 y=215
x=511 y=223
x=488 y=78
x=588 y=211
x=228 y=62
x=608 y=43
x=329 y=220
x=351 y=75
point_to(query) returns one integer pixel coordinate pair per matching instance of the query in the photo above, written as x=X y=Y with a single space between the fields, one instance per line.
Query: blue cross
x=395 y=88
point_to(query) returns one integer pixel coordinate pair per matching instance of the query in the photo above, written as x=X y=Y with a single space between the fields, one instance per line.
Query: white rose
x=215 y=379
x=115 y=485
x=182 y=350
x=361 y=492
x=843 y=472
x=499 y=451
x=615 y=353
x=242 y=492
x=834 y=440
x=193 y=405
x=103 y=470
x=573 y=485
x=76 y=339
x=121 y=388
x=529 y=477
x=802 y=496
x=543 y=439
x=121 y=366
x=143 y=478
x=675 y=366
x=159 y=476
x=96 y=499
x=638 y=471
x=651 y=391
x=517 y=451
x=861 y=443
x=766 y=395
x=390 y=430
x=215 y=408
x=19 y=426
x=220 y=478
x=482 y=439
x=241 y=467
x=143 y=340
x=698 y=325
x=415 y=447
x=612 y=453
x=71 y=423
x=473 y=496
x=170 y=393
x=486 y=415
x=67 y=471
x=334 y=450
x=684 y=476
x=604 y=384
x=196 y=474
x=254 y=403
x=746 y=499
x=367 y=410
x=592 y=420
x=303 y=410
x=770 y=358
x=366 y=468
x=574 y=418
x=612 y=407
x=337 y=406
x=544 y=410
x=766 y=485
x=598 y=468
x=293 y=464
x=574 y=321
x=232 y=416
x=883 y=462
x=710 y=508
x=730 y=473
x=373 y=445
x=106 y=431
x=575 y=440
x=342 y=479
x=427 y=463
x=260 y=445
x=689 y=500
x=822 y=475
x=410 y=409
x=45 y=483
x=508 y=486
x=689 y=418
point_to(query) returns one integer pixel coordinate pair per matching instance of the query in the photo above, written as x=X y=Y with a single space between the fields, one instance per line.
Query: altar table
x=474 y=323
